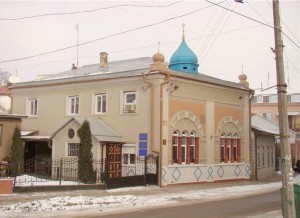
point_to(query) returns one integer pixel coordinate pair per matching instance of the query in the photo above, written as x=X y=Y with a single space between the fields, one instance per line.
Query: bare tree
x=4 y=76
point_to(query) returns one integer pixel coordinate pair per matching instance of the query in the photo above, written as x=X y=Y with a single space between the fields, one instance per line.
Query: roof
x=99 y=129
x=12 y=116
x=116 y=69
x=4 y=90
x=266 y=126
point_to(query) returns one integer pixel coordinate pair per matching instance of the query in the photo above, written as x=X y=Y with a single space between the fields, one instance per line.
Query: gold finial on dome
x=158 y=43
x=183 y=36
x=243 y=78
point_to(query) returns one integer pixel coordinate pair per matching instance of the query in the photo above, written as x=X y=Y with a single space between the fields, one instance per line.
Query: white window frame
x=75 y=150
x=235 y=152
x=129 y=154
x=183 y=146
x=223 y=137
x=103 y=110
x=32 y=107
x=228 y=147
x=71 y=110
x=129 y=107
x=175 y=144
x=192 y=146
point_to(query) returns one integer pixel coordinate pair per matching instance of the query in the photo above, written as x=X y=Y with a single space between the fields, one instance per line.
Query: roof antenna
x=183 y=36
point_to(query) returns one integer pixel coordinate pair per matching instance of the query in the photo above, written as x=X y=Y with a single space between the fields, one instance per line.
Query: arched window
x=228 y=146
x=183 y=146
x=175 y=146
x=192 y=146
x=235 y=147
x=222 y=148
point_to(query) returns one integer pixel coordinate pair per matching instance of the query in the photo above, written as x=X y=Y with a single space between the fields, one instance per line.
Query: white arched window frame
x=228 y=146
x=183 y=146
x=175 y=146
x=192 y=146
x=222 y=147
x=235 y=145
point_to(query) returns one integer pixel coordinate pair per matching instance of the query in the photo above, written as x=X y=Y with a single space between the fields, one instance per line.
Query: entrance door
x=114 y=157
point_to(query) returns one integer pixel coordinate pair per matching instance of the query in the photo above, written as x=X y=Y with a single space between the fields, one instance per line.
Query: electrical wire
x=87 y=11
x=265 y=24
x=108 y=36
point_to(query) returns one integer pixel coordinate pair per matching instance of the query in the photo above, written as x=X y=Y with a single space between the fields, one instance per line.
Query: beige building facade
x=198 y=125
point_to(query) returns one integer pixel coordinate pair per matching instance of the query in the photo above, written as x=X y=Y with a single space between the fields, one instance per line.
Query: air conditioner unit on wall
x=130 y=108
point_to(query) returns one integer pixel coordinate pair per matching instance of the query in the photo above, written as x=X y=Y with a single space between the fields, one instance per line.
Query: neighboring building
x=5 y=100
x=197 y=124
x=264 y=141
x=8 y=123
x=266 y=105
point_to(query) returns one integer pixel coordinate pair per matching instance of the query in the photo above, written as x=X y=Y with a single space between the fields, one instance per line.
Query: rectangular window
x=73 y=149
x=1 y=130
x=268 y=153
x=130 y=100
x=272 y=158
x=258 y=157
x=192 y=149
x=266 y=99
x=288 y=98
x=175 y=147
x=32 y=107
x=235 y=149
x=74 y=105
x=263 y=156
x=128 y=158
x=100 y=103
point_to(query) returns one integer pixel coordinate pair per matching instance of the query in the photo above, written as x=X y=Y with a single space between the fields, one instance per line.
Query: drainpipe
x=256 y=135
x=167 y=79
x=151 y=113
x=251 y=94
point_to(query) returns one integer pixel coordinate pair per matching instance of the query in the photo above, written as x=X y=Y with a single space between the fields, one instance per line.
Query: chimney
x=73 y=67
x=103 y=59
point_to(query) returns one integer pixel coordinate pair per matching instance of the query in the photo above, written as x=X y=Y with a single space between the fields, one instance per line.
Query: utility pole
x=287 y=199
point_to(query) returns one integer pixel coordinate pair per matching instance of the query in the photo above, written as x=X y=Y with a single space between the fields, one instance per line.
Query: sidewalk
x=150 y=190
x=49 y=204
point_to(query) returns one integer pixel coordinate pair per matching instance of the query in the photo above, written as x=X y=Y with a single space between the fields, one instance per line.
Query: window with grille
x=73 y=149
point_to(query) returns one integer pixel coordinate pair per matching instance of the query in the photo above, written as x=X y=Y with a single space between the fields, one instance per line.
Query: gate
x=136 y=171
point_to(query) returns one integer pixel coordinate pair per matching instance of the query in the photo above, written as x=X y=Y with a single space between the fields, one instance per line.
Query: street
x=236 y=207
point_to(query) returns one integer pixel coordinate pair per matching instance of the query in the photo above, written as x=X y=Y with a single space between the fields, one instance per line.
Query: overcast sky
x=223 y=40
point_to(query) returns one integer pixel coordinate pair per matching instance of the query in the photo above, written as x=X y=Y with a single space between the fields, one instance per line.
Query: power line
x=87 y=11
x=265 y=24
x=109 y=36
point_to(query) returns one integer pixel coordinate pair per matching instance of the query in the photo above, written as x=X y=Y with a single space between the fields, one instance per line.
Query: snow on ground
x=63 y=205
x=28 y=180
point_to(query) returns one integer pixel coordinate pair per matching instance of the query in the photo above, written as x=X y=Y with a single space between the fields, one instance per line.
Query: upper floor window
x=255 y=99
x=100 y=103
x=266 y=99
x=222 y=147
x=73 y=105
x=288 y=98
x=129 y=101
x=33 y=107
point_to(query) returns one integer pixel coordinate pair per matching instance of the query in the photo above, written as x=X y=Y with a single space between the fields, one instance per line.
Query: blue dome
x=184 y=59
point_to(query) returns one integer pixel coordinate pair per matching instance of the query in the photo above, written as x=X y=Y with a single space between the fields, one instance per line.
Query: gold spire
x=158 y=43
x=183 y=36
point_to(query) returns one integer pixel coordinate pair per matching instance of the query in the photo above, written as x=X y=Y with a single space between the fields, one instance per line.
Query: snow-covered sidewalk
x=125 y=199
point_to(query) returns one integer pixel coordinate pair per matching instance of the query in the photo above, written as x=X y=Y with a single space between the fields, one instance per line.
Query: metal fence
x=45 y=171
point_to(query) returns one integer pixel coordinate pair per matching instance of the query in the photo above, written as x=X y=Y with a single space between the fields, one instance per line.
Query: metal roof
x=264 y=125
x=117 y=69
x=99 y=129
